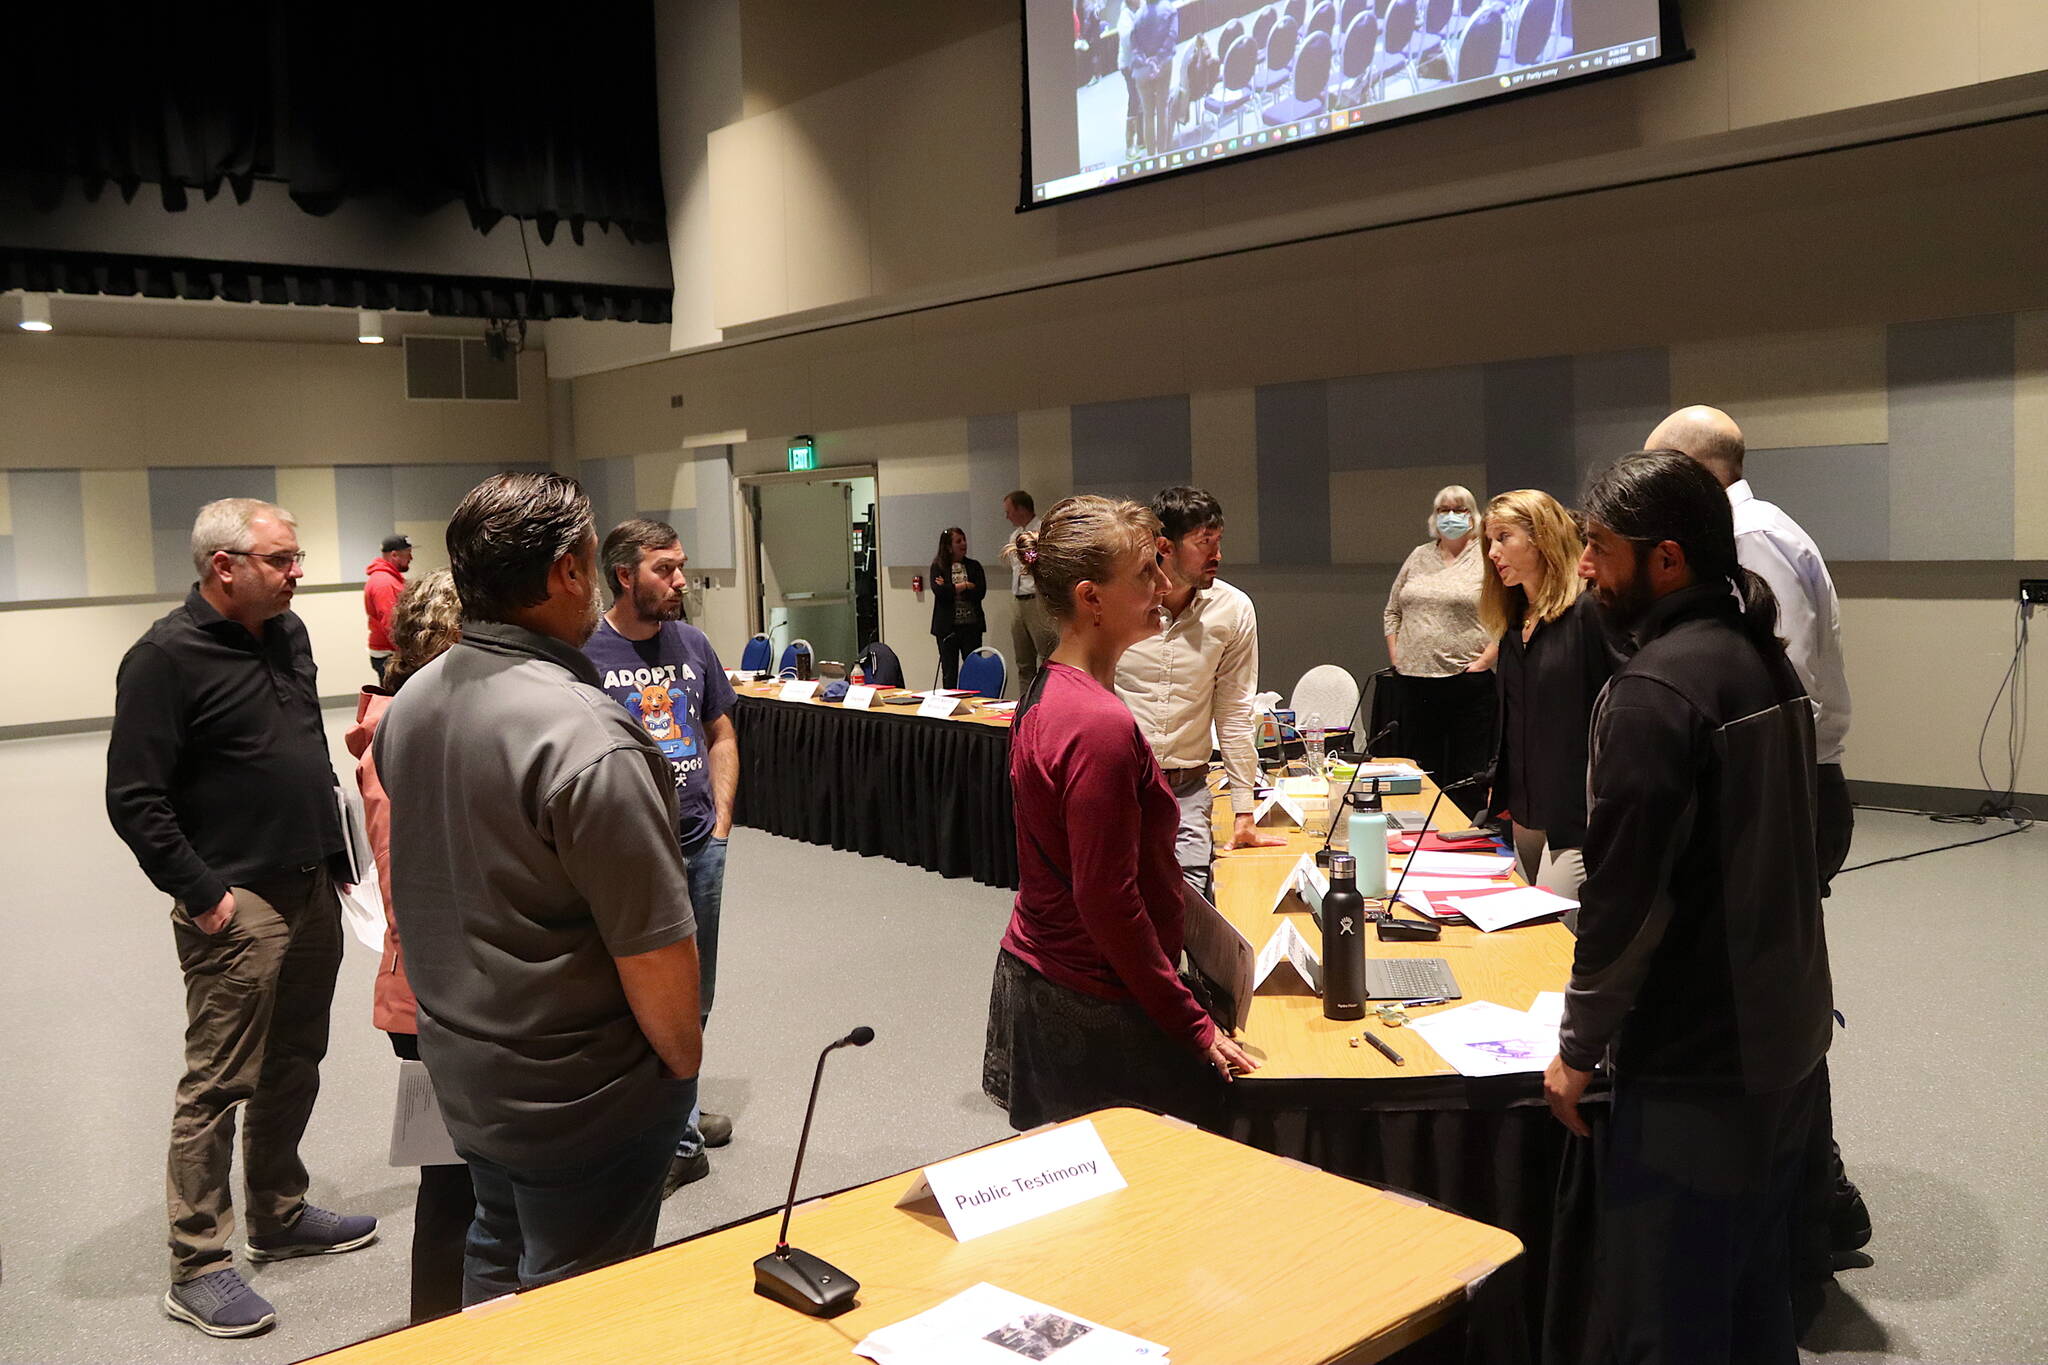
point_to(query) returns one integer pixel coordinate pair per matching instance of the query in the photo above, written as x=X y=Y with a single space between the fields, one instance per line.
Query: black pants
x=1836 y=824
x=441 y=1216
x=1447 y=728
x=954 y=647
x=1693 y=1256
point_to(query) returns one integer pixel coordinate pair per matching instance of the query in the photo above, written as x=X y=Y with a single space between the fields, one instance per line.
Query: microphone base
x=1408 y=931
x=796 y=1279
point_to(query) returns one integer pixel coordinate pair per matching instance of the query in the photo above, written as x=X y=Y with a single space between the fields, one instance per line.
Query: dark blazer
x=942 y=596
x=1547 y=690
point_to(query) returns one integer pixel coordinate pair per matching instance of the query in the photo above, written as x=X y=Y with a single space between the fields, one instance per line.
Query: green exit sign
x=802 y=455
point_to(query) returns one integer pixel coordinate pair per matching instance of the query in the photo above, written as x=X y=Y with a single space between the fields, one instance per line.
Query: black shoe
x=715 y=1129
x=1848 y=1220
x=685 y=1170
x=220 y=1304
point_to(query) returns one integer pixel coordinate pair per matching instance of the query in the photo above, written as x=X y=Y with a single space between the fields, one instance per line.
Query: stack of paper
x=1485 y=1039
x=1499 y=909
x=992 y=1326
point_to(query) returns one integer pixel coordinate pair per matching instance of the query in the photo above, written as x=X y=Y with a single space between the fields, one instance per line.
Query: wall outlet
x=2034 y=590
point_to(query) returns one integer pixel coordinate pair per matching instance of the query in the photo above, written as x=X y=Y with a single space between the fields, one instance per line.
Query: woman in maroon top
x=1088 y=1009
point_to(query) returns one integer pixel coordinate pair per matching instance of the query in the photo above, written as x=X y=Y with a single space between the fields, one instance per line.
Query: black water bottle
x=1343 y=942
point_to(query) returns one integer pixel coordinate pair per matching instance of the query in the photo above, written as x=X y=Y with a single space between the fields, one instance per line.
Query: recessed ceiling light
x=35 y=313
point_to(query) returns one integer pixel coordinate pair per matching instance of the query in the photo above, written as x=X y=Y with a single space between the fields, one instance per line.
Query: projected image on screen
x=1122 y=89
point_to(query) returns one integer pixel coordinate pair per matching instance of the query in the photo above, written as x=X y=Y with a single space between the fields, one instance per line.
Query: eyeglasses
x=283 y=563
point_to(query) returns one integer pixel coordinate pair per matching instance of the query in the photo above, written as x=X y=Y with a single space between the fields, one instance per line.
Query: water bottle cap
x=1342 y=865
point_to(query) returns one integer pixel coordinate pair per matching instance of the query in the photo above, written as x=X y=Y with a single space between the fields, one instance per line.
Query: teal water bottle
x=1367 y=829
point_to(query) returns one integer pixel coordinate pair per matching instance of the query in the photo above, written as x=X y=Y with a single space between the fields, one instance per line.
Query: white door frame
x=750 y=541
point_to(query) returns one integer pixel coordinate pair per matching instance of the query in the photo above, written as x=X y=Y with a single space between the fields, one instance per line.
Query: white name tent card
x=1505 y=908
x=859 y=698
x=1288 y=961
x=798 y=691
x=940 y=704
x=1303 y=891
x=1276 y=807
x=999 y=1187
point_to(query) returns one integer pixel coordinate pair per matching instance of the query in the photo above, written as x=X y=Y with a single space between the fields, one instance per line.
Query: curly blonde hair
x=426 y=621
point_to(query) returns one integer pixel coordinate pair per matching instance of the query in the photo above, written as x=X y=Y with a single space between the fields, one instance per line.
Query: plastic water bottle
x=857 y=677
x=1312 y=742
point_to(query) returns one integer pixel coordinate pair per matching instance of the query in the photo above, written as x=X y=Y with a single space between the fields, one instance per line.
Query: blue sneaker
x=317 y=1233
x=220 y=1304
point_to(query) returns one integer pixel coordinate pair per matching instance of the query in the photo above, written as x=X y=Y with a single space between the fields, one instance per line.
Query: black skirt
x=1054 y=1053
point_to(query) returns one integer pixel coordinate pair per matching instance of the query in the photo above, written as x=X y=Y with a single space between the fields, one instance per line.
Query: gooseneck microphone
x=1337 y=812
x=789 y=1275
x=1392 y=928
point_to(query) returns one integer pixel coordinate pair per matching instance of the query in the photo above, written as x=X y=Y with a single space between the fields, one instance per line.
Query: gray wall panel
x=1132 y=448
x=911 y=523
x=1417 y=417
x=992 y=471
x=365 y=511
x=1617 y=400
x=176 y=495
x=1293 y=431
x=1950 y=387
x=1839 y=495
x=7 y=592
x=49 y=534
x=1529 y=428
x=714 y=547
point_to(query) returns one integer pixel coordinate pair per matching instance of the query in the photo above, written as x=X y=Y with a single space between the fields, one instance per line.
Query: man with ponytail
x=1700 y=977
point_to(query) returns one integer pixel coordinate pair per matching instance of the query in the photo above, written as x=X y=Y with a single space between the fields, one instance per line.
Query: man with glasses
x=218 y=779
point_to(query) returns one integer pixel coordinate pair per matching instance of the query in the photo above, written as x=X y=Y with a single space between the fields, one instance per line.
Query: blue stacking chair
x=1239 y=63
x=787 y=668
x=1311 y=74
x=1278 y=69
x=985 y=671
x=1534 y=22
x=755 y=656
x=1479 y=45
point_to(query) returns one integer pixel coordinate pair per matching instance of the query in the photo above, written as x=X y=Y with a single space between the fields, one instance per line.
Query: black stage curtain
x=544 y=114
x=454 y=296
x=923 y=792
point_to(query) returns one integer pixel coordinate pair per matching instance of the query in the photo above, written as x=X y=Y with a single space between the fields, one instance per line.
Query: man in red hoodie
x=383 y=580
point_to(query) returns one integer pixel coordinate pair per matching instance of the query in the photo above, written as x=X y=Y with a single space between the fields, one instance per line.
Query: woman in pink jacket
x=426 y=621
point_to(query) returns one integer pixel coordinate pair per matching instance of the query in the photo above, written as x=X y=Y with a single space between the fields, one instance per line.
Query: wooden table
x=930 y=792
x=1220 y=1252
x=1288 y=1033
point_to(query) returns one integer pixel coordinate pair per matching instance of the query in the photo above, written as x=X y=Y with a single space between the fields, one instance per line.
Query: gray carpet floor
x=1939 y=1080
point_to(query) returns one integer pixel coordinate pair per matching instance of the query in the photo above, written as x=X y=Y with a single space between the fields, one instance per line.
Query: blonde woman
x=1088 y=1009
x=1443 y=655
x=1555 y=656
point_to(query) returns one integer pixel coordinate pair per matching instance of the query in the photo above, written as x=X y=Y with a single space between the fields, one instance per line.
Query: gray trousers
x=1194 y=844
x=1033 y=638
x=257 y=998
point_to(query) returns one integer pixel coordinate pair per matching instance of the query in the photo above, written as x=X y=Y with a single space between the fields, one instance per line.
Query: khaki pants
x=1032 y=639
x=257 y=996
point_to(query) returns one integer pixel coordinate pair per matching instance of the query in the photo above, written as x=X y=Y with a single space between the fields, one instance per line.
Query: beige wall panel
x=2014 y=37
x=118 y=557
x=911 y=457
x=1045 y=454
x=1793 y=58
x=2030 y=436
x=429 y=545
x=627 y=412
x=664 y=480
x=1792 y=389
x=749 y=226
x=1372 y=511
x=357 y=413
x=888 y=377
x=307 y=492
x=222 y=402
x=1223 y=436
x=67 y=403
x=6 y=504
x=826 y=198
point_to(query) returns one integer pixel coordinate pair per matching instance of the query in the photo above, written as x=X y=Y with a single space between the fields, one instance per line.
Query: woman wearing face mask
x=1555 y=656
x=1088 y=1009
x=1444 y=657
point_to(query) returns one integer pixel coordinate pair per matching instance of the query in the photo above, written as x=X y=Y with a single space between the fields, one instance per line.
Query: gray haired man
x=218 y=779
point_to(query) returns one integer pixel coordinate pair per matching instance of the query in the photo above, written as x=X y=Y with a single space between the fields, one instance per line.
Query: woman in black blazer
x=958 y=585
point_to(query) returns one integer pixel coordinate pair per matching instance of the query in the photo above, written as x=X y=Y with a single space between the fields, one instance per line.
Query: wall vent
x=459 y=369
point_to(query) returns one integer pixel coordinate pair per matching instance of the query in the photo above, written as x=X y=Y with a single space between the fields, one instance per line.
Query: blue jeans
x=704 y=863
x=533 y=1227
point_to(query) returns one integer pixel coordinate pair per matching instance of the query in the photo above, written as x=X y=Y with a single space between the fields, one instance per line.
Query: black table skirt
x=928 y=793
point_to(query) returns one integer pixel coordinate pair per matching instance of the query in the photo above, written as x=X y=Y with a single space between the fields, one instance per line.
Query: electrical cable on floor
x=1996 y=805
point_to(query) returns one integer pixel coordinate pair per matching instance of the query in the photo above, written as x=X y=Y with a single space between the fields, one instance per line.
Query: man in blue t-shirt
x=667 y=676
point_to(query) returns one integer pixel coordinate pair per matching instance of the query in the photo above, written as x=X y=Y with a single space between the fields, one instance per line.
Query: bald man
x=1775 y=548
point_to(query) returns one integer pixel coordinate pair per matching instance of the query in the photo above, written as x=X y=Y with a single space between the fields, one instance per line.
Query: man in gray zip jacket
x=1700 y=976
x=548 y=928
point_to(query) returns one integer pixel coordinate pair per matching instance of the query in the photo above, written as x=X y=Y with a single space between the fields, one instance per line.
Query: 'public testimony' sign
x=1002 y=1186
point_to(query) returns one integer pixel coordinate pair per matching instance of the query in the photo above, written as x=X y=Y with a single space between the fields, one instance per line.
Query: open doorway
x=813 y=559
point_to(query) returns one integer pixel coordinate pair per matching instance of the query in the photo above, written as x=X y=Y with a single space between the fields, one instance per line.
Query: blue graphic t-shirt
x=673 y=684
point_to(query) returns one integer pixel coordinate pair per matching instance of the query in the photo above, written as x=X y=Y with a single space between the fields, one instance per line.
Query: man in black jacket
x=1700 y=976
x=218 y=779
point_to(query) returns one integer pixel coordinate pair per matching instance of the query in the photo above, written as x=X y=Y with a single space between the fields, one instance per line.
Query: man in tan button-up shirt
x=1191 y=685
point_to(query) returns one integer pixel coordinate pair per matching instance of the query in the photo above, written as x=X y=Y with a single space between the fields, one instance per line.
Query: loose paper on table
x=985 y=1325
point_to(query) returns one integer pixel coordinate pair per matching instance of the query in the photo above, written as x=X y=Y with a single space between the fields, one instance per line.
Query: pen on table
x=1419 y=1004
x=1385 y=1051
